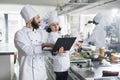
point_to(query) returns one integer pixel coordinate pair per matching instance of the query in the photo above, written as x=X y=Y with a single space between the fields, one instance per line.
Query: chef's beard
x=34 y=24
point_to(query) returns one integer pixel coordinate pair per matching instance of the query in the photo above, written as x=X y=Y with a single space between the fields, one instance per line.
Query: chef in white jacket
x=98 y=35
x=28 y=41
x=61 y=61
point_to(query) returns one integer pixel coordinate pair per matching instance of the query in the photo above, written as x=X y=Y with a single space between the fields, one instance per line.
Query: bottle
x=102 y=51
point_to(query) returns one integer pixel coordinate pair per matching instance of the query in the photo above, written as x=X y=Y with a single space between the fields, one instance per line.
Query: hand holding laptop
x=60 y=51
x=51 y=45
x=61 y=45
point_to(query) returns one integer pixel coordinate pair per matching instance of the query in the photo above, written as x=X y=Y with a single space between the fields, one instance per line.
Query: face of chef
x=35 y=22
x=54 y=27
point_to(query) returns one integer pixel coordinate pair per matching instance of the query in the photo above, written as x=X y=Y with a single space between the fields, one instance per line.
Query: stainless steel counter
x=95 y=72
x=7 y=61
x=82 y=73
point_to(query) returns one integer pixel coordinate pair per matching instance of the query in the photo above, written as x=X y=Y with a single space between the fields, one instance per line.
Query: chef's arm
x=91 y=38
x=74 y=48
x=74 y=52
x=24 y=46
x=47 y=45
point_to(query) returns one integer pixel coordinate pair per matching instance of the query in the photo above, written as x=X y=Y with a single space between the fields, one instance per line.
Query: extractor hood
x=80 y=4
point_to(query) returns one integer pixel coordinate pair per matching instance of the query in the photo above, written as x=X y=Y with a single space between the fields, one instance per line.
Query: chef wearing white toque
x=98 y=35
x=28 y=42
x=61 y=61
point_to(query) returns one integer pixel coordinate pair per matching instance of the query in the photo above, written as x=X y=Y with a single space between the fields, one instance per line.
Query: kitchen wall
x=15 y=21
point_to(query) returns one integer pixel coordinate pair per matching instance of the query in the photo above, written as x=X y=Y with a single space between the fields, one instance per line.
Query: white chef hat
x=52 y=17
x=98 y=18
x=104 y=18
x=28 y=13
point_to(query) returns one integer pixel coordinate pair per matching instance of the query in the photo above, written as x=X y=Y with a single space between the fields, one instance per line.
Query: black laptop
x=62 y=42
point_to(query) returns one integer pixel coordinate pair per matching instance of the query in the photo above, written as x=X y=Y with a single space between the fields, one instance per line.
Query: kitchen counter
x=7 y=61
x=95 y=72
x=82 y=73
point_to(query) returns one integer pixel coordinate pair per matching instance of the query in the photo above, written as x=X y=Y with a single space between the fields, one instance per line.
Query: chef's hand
x=47 y=45
x=60 y=51
x=78 y=44
x=76 y=54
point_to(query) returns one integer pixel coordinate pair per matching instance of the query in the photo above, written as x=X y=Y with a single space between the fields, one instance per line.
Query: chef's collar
x=26 y=29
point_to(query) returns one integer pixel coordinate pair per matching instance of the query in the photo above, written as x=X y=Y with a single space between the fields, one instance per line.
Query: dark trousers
x=61 y=75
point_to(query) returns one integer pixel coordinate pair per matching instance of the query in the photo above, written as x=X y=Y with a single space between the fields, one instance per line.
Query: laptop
x=62 y=42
